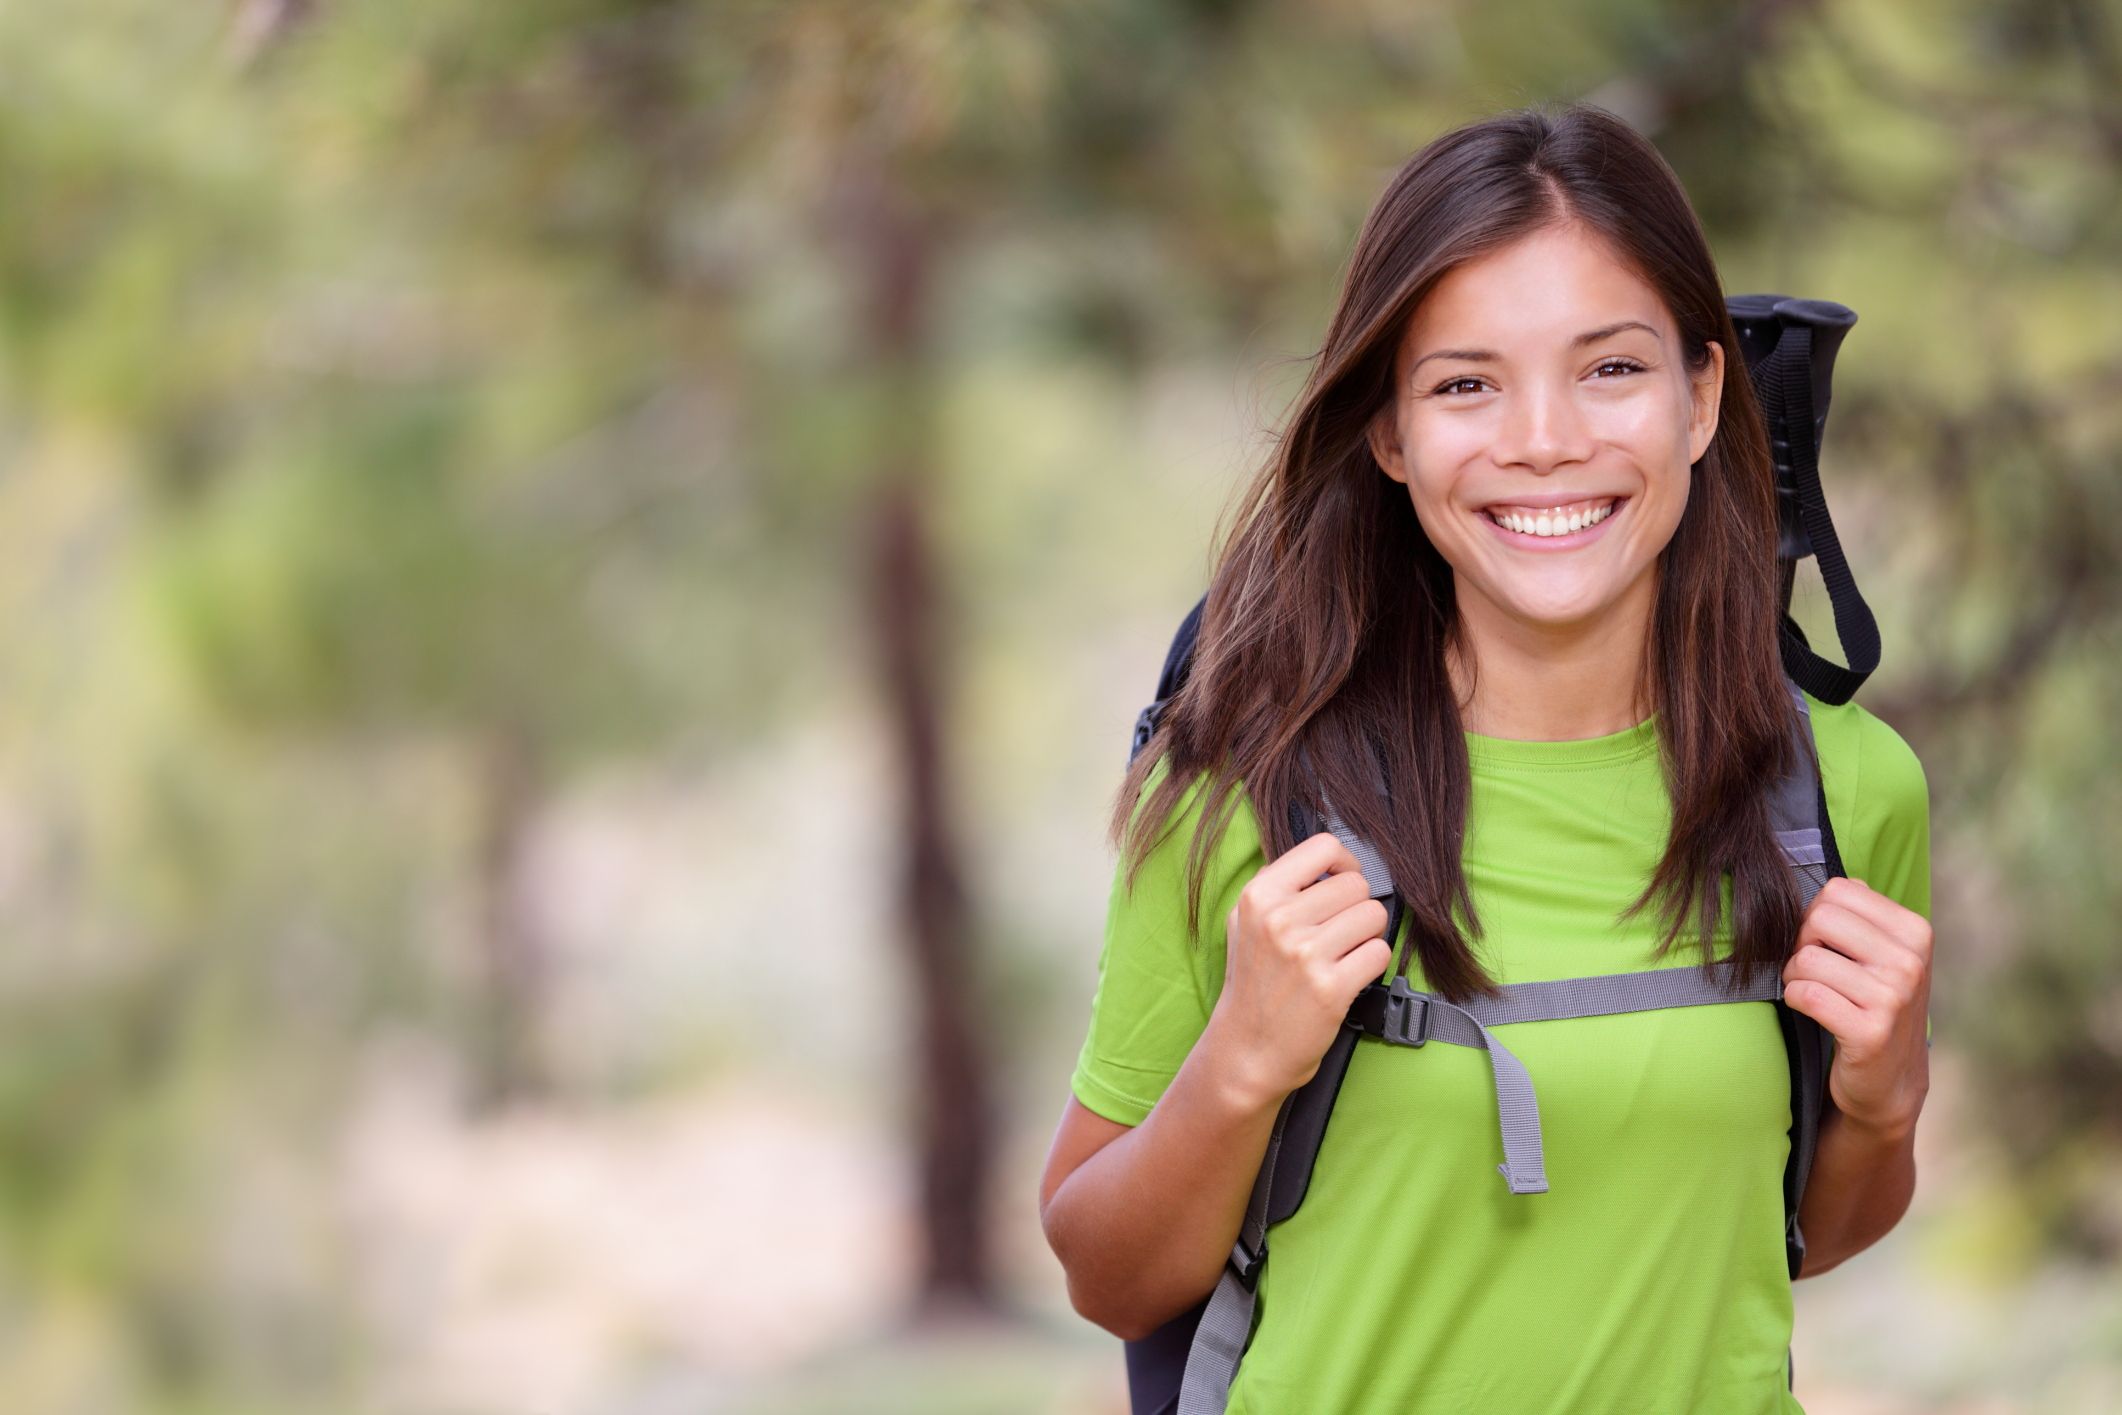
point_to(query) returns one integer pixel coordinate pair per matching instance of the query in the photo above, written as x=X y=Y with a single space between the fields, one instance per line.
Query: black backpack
x=1186 y=1366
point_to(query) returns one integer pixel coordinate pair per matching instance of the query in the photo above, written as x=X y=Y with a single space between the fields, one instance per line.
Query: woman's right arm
x=1143 y=1217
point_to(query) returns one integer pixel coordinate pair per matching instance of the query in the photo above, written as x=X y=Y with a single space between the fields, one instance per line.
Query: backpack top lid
x=1790 y=346
x=1760 y=321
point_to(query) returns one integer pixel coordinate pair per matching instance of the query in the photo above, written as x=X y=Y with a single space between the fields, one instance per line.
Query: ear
x=1384 y=434
x=1707 y=396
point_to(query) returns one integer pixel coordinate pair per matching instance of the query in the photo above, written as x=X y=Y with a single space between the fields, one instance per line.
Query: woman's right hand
x=1298 y=948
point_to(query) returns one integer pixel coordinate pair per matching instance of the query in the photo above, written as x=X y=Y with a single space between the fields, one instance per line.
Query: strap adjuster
x=1246 y=1263
x=1146 y=726
x=1396 y=1026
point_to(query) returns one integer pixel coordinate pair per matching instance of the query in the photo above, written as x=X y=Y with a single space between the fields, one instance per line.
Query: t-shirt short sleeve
x=1158 y=978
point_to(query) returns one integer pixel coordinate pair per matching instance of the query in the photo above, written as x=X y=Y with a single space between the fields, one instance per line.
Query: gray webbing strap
x=1227 y=1322
x=1375 y=874
x=1794 y=813
x=1797 y=809
x=1407 y=1017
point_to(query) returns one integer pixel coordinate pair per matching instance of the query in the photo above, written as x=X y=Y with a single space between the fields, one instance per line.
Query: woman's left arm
x=1861 y=969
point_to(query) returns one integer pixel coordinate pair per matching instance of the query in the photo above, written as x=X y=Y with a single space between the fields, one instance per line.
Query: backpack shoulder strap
x=1178 y=664
x=1224 y=1324
x=1798 y=814
x=1188 y=1363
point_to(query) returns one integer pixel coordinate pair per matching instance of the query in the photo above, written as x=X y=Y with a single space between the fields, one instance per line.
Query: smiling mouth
x=1548 y=522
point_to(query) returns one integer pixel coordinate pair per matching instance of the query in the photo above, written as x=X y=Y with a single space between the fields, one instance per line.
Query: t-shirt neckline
x=1629 y=742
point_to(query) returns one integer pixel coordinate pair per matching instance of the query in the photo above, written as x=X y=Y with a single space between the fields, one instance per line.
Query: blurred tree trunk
x=904 y=596
x=511 y=1000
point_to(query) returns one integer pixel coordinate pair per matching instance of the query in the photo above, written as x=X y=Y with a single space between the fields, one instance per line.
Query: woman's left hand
x=1861 y=969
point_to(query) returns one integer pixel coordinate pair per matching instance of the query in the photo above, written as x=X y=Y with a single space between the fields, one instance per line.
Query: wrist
x=1883 y=1132
x=1237 y=1073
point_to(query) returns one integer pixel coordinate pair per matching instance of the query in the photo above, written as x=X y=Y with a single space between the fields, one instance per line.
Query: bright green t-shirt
x=1651 y=1276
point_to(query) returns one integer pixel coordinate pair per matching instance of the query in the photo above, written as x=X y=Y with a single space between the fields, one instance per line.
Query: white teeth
x=1549 y=523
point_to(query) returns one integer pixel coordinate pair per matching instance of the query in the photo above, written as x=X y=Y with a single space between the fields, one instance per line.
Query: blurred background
x=575 y=577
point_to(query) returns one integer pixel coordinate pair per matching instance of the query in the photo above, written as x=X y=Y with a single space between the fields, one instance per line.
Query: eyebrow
x=1589 y=336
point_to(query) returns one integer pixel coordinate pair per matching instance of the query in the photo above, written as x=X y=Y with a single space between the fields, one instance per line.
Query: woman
x=1519 y=535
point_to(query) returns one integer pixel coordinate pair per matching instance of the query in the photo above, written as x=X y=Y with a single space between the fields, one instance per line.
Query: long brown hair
x=1329 y=612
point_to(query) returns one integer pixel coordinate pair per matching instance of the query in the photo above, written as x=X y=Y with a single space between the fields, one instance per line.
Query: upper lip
x=1549 y=499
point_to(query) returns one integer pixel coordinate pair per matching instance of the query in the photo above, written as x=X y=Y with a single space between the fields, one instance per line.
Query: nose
x=1542 y=429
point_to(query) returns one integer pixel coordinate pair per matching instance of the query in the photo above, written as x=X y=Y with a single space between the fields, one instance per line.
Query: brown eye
x=1453 y=383
x=1625 y=365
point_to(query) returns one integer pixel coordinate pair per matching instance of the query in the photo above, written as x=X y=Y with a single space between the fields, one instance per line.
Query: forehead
x=1536 y=293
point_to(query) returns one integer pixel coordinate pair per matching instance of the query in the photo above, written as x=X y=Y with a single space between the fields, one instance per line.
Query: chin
x=1559 y=612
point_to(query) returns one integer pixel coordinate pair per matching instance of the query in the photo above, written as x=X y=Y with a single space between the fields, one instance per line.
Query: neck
x=1551 y=682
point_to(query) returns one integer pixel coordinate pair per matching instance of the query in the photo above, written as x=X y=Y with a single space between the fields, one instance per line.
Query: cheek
x=1450 y=441
x=1646 y=431
x=1646 y=426
x=1662 y=507
x=1430 y=494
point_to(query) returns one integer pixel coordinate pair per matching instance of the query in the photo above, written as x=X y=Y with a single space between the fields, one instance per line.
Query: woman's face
x=1545 y=429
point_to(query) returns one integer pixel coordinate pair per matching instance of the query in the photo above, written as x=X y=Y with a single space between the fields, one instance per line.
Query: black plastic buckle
x=1246 y=1263
x=1146 y=726
x=1396 y=1027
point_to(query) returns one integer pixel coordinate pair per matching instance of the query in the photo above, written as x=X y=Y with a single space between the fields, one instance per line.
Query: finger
x=1851 y=934
x=1317 y=902
x=1349 y=929
x=1852 y=979
x=1308 y=859
x=1365 y=963
x=1903 y=925
x=1864 y=901
x=1824 y=1005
